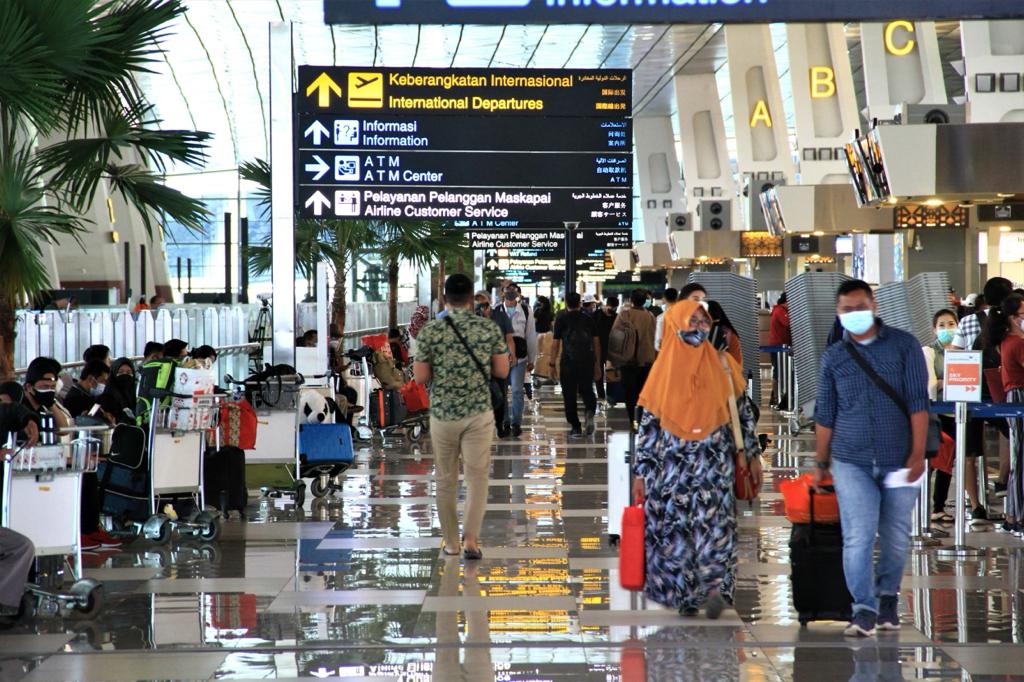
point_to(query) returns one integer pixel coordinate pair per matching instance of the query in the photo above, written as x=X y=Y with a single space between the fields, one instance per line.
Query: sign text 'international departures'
x=479 y=92
x=658 y=11
x=521 y=145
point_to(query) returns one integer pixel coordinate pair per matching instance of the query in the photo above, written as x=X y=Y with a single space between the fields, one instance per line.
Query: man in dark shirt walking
x=864 y=434
x=576 y=337
x=604 y=320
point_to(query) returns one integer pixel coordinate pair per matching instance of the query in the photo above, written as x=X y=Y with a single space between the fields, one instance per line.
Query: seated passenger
x=90 y=385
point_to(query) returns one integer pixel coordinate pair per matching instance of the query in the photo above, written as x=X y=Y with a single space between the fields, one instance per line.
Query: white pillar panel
x=706 y=169
x=995 y=51
x=824 y=100
x=901 y=65
x=762 y=141
x=661 y=191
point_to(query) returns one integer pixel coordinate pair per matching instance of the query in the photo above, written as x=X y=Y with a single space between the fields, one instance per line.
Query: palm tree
x=315 y=241
x=421 y=244
x=69 y=74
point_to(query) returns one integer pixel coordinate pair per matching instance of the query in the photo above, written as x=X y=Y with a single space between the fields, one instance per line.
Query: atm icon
x=346 y=168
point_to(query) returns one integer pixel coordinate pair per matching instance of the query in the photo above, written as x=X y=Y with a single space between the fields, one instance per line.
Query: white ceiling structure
x=214 y=71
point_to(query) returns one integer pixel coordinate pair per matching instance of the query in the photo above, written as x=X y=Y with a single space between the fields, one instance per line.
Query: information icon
x=346 y=133
x=346 y=168
x=346 y=202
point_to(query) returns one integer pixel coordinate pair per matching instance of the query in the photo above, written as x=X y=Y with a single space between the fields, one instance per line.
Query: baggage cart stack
x=42 y=494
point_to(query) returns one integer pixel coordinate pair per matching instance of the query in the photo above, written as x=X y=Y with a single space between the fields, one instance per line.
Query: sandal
x=444 y=550
x=941 y=517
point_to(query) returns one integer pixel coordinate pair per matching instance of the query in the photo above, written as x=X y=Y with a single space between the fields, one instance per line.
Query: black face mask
x=45 y=398
x=124 y=383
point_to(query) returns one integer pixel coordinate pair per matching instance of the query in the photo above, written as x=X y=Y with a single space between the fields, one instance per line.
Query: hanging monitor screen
x=656 y=11
x=541 y=146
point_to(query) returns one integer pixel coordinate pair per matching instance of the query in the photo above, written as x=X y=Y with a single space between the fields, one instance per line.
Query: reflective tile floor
x=353 y=587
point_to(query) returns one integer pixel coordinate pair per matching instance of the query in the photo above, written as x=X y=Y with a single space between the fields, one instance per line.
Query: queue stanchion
x=959 y=548
x=924 y=536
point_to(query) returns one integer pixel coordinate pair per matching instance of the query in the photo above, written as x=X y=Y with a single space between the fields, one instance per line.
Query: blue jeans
x=516 y=377
x=868 y=510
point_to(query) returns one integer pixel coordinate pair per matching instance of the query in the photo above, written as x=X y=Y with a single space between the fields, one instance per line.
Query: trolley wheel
x=415 y=432
x=211 y=529
x=27 y=607
x=89 y=596
x=163 y=533
x=320 y=486
x=300 y=494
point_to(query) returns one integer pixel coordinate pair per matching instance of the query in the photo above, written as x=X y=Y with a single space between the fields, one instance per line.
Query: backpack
x=154 y=375
x=623 y=343
x=578 y=343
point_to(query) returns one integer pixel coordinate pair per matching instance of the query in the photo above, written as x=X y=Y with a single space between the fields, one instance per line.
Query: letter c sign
x=890 y=44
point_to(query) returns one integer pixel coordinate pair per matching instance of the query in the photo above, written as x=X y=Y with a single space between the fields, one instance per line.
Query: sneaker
x=105 y=539
x=888 y=612
x=688 y=611
x=89 y=543
x=517 y=430
x=504 y=431
x=979 y=516
x=862 y=625
x=576 y=432
x=588 y=424
x=999 y=489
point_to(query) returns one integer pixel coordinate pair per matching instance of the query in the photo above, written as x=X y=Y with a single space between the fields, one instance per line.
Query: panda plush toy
x=315 y=408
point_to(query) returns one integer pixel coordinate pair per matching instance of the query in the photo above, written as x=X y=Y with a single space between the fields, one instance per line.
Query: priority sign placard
x=961 y=381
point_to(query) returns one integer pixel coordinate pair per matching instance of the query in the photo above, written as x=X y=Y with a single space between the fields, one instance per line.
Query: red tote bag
x=632 y=559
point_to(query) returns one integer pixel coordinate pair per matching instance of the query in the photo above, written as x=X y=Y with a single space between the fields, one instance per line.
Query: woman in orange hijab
x=685 y=465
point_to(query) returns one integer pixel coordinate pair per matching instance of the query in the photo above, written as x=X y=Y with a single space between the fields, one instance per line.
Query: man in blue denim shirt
x=863 y=435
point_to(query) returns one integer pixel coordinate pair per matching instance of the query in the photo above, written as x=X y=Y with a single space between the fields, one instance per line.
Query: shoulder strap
x=462 y=340
x=734 y=412
x=879 y=381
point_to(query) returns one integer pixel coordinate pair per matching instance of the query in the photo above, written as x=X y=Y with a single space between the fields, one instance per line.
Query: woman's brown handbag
x=746 y=487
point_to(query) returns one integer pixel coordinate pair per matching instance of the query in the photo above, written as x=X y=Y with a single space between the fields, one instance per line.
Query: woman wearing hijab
x=420 y=317
x=121 y=383
x=723 y=334
x=685 y=465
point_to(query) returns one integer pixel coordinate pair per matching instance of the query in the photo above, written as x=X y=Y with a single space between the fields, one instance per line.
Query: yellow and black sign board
x=478 y=92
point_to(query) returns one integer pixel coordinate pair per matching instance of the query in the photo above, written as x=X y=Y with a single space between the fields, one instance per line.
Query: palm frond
x=258 y=171
x=30 y=85
x=144 y=190
x=26 y=224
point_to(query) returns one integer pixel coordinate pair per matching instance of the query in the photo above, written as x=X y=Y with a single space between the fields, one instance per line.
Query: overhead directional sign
x=531 y=255
x=484 y=92
x=538 y=146
x=657 y=11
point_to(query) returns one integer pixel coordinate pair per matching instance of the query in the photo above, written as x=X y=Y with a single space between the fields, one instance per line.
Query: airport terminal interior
x=225 y=224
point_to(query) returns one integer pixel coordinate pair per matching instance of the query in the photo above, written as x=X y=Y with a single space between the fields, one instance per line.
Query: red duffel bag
x=238 y=424
x=632 y=559
x=414 y=395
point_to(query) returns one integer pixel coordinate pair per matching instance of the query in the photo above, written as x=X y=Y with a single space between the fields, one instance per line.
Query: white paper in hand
x=901 y=479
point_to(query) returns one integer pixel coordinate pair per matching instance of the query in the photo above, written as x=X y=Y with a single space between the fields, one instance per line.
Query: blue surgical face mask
x=945 y=336
x=97 y=390
x=857 y=322
x=694 y=338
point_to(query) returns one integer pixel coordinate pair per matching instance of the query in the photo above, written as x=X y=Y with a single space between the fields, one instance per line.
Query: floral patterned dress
x=690 y=532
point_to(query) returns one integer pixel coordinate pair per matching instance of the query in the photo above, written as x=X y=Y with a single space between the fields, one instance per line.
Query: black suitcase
x=386 y=408
x=224 y=479
x=819 y=584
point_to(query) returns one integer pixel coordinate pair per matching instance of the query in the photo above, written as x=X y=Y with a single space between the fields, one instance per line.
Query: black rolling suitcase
x=819 y=584
x=386 y=408
x=224 y=479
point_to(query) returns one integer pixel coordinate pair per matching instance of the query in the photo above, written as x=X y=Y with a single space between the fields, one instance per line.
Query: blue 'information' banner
x=658 y=11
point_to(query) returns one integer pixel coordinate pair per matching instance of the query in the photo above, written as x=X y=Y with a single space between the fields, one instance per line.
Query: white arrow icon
x=317 y=169
x=322 y=673
x=318 y=201
x=318 y=130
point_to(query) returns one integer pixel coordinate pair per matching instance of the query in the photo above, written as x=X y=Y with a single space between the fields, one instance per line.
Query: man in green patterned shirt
x=461 y=420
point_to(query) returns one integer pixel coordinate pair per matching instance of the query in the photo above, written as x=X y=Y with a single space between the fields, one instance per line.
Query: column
x=901 y=65
x=661 y=191
x=993 y=64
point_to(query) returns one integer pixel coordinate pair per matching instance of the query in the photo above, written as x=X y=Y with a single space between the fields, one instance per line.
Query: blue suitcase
x=325 y=446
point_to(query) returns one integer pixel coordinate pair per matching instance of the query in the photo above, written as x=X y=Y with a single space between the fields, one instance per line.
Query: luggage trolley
x=413 y=426
x=42 y=492
x=177 y=443
x=275 y=400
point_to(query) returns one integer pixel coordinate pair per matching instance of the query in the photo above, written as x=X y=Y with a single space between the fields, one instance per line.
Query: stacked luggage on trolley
x=41 y=499
x=396 y=403
x=152 y=485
